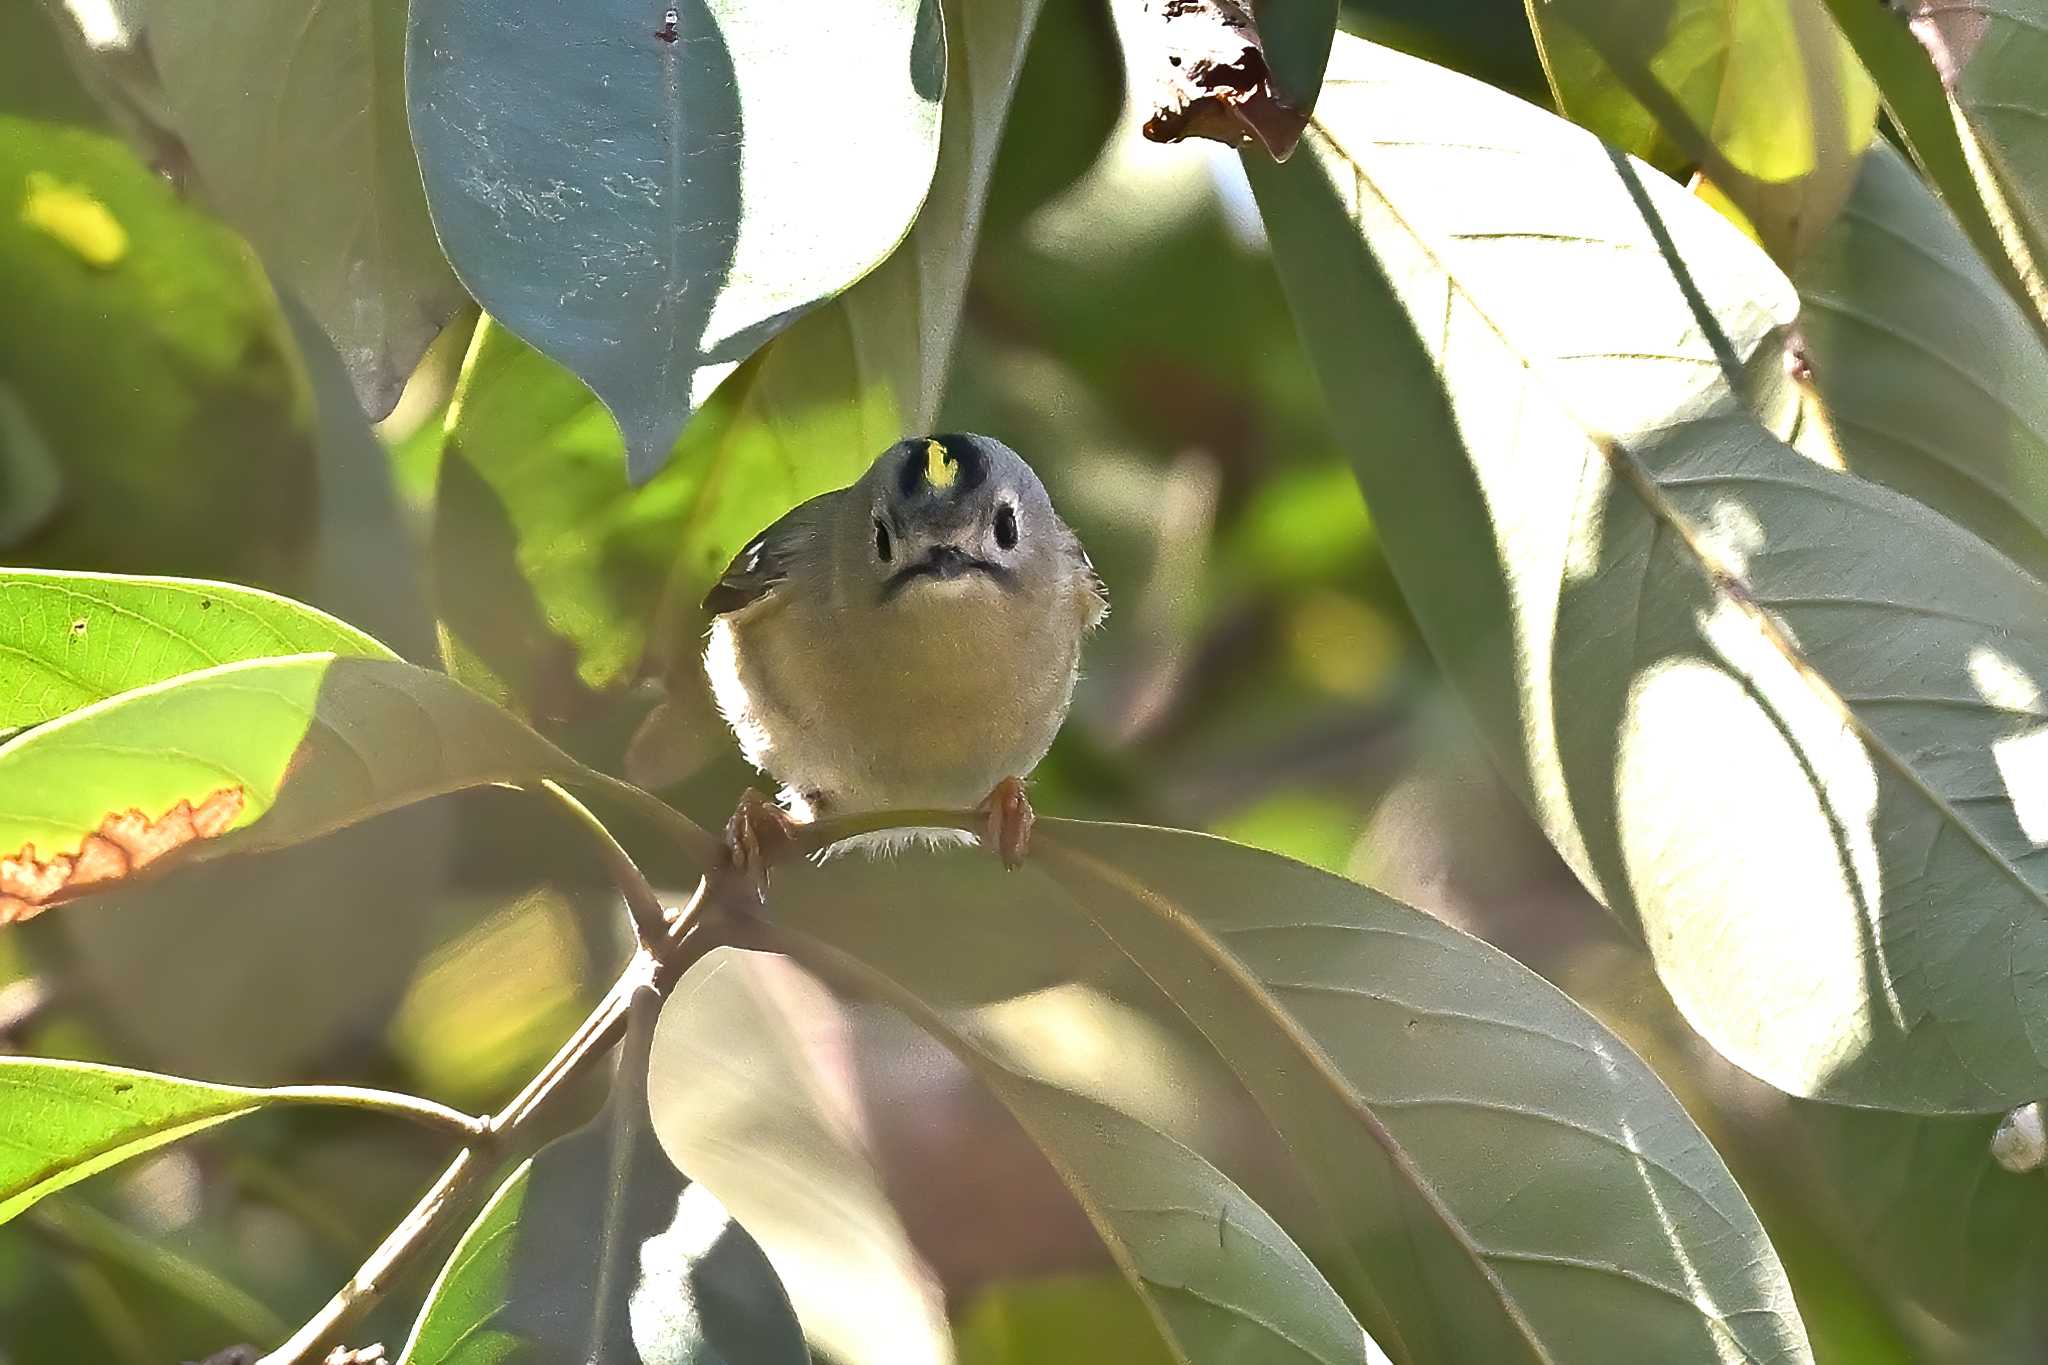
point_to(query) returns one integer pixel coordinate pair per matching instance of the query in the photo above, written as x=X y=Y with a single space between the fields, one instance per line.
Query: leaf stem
x=650 y=920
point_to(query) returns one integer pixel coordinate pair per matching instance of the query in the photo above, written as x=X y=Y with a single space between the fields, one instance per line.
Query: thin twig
x=684 y=940
x=650 y=920
x=716 y=914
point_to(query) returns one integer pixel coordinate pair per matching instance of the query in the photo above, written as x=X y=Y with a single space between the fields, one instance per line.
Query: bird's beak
x=948 y=561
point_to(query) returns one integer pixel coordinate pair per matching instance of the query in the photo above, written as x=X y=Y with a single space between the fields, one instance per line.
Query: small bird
x=910 y=641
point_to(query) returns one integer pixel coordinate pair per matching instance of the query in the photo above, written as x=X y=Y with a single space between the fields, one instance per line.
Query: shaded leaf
x=1764 y=96
x=161 y=377
x=31 y=485
x=146 y=1268
x=738 y=1099
x=1657 y=586
x=293 y=115
x=70 y=639
x=657 y=225
x=598 y=1249
x=1934 y=381
x=1978 y=1245
x=305 y=744
x=63 y=1121
x=1395 y=1058
x=1958 y=82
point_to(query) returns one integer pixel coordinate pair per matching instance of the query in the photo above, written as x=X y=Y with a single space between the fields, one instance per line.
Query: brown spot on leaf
x=1215 y=83
x=123 y=845
x=78 y=626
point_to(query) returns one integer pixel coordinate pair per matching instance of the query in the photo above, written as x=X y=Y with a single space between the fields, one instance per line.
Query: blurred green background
x=1259 y=679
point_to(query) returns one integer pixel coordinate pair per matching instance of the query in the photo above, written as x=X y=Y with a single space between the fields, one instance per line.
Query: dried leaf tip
x=125 y=843
x=1214 y=81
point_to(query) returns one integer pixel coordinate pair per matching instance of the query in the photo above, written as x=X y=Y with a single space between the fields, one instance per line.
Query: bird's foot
x=759 y=834
x=1009 y=821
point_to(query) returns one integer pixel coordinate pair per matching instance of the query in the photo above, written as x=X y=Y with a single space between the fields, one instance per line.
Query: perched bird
x=909 y=641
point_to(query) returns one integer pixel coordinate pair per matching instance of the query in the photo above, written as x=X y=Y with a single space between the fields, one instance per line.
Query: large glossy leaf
x=1221 y=1280
x=293 y=115
x=1777 y=716
x=1934 y=381
x=158 y=378
x=1396 y=1059
x=1764 y=96
x=1962 y=84
x=644 y=206
x=598 y=1249
x=740 y=1100
x=299 y=746
x=63 y=1121
x=70 y=639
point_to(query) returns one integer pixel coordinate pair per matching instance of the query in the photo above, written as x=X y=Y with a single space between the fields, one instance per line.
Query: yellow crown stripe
x=940 y=466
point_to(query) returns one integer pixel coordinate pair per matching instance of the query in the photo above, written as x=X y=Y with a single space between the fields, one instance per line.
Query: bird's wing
x=758 y=569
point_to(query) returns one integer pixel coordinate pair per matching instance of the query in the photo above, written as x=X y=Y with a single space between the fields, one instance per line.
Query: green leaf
x=1219 y=1277
x=598 y=1249
x=1395 y=1059
x=1934 y=381
x=534 y=492
x=298 y=746
x=1976 y=1249
x=1778 y=717
x=70 y=639
x=1064 y=1318
x=738 y=1100
x=1764 y=96
x=1962 y=84
x=63 y=1121
x=1296 y=36
x=294 y=118
x=160 y=1279
x=659 y=223
x=159 y=376
x=31 y=485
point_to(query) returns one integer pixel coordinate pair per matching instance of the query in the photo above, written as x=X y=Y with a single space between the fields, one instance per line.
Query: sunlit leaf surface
x=70 y=639
x=650 y=219
x=741 y=1100
x=1763 y=96
x=63 y=1121
x=1782 y=719
x=305 y=744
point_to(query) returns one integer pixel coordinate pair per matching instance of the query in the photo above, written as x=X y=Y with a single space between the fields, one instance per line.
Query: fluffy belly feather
x=932 y=705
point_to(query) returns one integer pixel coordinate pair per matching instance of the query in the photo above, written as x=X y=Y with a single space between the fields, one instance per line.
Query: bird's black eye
x=881 y=540
x=1006 y=527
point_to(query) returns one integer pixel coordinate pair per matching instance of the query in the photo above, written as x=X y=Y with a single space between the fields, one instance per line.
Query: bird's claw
x=1009 y=821
x=759 y=834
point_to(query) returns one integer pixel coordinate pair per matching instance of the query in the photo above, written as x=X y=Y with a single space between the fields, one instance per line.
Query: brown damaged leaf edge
x=123 y=845
x=1214 y=82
